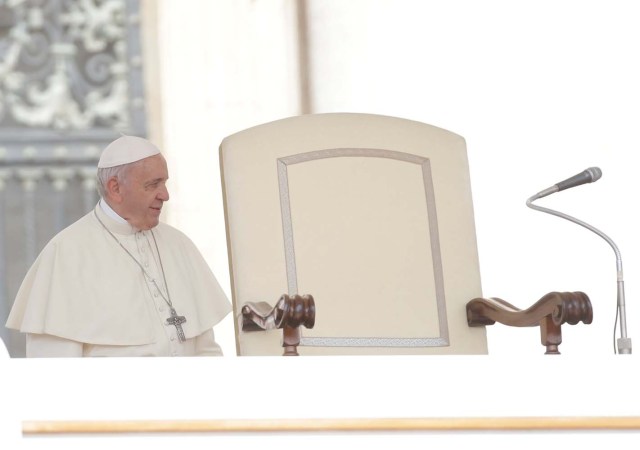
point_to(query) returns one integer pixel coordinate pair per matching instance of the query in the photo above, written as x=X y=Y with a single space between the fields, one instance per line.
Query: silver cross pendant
x=177 y=322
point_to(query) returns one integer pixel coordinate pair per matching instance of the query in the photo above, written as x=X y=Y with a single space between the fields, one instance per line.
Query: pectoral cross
x=177 y=322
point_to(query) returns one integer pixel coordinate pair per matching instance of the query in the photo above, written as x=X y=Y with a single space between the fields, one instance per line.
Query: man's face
x=144 y=191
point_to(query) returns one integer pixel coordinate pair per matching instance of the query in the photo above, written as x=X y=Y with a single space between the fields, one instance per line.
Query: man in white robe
x=118 y=282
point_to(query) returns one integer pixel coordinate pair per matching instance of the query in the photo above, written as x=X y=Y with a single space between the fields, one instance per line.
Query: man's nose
x=163 y=194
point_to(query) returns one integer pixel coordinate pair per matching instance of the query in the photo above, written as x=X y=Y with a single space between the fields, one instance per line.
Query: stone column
x=29 y=178
x=60 y=177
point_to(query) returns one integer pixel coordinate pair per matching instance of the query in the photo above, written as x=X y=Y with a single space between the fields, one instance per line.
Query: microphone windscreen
x=595 y=173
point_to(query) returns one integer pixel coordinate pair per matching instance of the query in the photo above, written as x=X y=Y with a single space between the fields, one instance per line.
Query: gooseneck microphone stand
x=623 y=343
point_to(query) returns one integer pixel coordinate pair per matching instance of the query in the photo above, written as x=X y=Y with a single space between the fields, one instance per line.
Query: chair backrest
x=371 y=215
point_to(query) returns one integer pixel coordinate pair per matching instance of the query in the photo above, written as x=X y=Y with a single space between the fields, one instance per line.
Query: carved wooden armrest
x=550 y=312
x=289 y=314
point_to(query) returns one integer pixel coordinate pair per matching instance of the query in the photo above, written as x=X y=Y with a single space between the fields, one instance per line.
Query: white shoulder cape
x=84 y=287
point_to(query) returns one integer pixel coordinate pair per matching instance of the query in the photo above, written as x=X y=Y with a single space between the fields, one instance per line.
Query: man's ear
x=114 y=189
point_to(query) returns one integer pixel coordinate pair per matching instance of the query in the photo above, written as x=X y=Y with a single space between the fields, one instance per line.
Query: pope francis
x=118 y=282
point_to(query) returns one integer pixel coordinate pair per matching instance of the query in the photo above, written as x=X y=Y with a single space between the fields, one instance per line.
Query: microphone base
x=624 y=346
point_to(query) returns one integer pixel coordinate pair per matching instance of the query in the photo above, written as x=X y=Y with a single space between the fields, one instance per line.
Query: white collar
x=110 y=212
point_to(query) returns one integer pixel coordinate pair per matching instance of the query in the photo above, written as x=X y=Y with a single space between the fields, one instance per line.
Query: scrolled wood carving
x=289 y=314
x=550 y=313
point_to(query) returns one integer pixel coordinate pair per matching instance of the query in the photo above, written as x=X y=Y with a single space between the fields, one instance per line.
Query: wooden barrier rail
x=60 y=427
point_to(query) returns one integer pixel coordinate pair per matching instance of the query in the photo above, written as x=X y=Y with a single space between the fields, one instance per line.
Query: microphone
x=589 y=176
x=586 y=176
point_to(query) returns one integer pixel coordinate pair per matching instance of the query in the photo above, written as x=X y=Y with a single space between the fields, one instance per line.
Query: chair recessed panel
x=360 y=226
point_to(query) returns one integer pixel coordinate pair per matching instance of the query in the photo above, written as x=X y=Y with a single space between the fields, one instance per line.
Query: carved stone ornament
x=70 y=70
x=63 y=64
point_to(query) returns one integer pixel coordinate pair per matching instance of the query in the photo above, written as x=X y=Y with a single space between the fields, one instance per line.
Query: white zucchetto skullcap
x=125 y=150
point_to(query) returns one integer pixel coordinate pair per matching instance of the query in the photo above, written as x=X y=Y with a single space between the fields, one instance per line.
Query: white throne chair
x=362 y=226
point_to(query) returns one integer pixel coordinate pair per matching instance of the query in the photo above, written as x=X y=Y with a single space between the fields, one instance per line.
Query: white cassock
x=86 y=296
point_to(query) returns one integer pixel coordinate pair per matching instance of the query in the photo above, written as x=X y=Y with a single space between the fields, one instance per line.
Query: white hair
x=105 y=174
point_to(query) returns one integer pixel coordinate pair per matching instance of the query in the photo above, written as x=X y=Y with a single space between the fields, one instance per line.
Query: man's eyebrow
x=154 y=181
